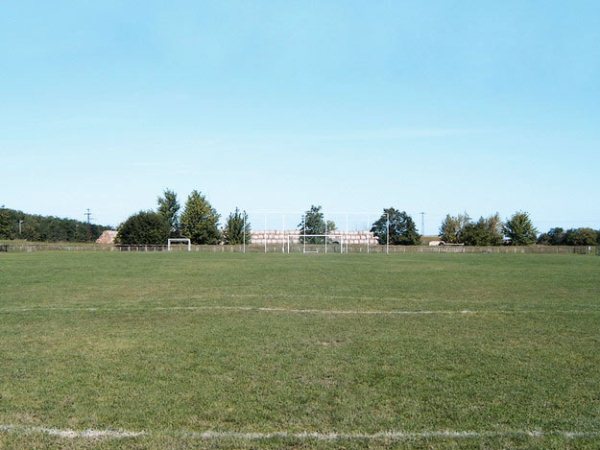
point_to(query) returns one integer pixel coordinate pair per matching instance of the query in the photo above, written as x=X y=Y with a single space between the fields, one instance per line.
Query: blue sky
x=437 y=106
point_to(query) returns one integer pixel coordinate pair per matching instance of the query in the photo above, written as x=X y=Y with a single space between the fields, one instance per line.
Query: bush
x=144 y=228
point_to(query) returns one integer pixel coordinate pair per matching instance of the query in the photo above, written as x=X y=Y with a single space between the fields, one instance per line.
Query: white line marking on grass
x=242 y=309
x=388 y=435
x=292 y=310
x=72 y=434
x=307 y=311
x=228 y=308
x=302 y=436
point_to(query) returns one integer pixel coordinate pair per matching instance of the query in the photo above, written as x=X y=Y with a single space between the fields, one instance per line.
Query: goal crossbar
x=179 y=240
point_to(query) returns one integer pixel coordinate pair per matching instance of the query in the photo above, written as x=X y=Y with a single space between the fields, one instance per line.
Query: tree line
x=199 y=222
x=397 y=224
x=517 y=230
x=16 y=224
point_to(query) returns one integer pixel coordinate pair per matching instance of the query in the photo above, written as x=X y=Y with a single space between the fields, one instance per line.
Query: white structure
x=331 y=242
x=107 y=237
x=282 y=237
x=182 y=240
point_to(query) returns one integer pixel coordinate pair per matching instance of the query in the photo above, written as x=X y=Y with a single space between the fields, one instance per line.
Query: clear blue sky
x=437 y=106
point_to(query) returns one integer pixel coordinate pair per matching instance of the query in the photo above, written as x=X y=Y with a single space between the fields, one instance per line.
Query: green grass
x=525 y=358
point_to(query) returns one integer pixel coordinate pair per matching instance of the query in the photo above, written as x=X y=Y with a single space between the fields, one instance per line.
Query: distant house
x=107 y=237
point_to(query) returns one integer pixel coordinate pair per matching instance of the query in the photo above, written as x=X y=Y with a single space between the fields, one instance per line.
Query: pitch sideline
x=292 y=310
x=307 y=435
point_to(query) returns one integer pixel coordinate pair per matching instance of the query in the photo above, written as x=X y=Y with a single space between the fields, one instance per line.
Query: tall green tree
x=200 y=221
x=168 y=207
x=402 y=228
x=519 y=229
x=313 y=222
x=144 y=228
x=237 y=228
x=452 y=228
x=484 y=232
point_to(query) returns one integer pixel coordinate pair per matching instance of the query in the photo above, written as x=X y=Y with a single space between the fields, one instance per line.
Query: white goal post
x=182 y=240
x=329 y=241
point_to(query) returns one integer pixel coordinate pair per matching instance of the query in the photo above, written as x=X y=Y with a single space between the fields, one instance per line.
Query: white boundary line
x=388 y=435
x=295 y=310
x=71 y=434
x=233 y=308
x=303 y=436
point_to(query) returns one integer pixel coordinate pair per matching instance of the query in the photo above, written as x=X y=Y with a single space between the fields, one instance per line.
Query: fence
x=260 y=247
x=505 y=249
x=40 y=247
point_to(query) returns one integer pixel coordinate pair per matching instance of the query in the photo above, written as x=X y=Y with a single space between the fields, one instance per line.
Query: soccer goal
x=316 y=243
x=179 y=241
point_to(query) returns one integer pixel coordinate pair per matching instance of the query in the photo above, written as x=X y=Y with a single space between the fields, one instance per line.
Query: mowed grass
x=176 y=344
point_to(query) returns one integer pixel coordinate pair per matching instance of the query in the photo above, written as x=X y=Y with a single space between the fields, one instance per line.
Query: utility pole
x=387 y=233
x=89 y=224
x=20 y=223
x=422 y=223
x=244 y=234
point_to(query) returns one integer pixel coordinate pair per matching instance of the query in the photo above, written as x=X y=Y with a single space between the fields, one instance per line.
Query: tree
x=486 y=231
x=581 y=236
x=168 y=207
x=144 y=228
x=19 y=225
x=554 y=236
x=573 y=236
x=451 y=230
x=519 y=229
x=403 y=230
x=313 y=222
x=7 y=224
x=200 y=221
x=237 y=228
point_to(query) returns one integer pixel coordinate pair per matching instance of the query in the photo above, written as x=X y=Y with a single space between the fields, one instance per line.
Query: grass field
x=437 y=351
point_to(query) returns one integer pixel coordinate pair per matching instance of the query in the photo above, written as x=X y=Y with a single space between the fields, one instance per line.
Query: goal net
x=178 y=242
x=316 y=243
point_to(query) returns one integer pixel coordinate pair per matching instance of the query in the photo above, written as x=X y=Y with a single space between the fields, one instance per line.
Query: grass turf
x=525 y=357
